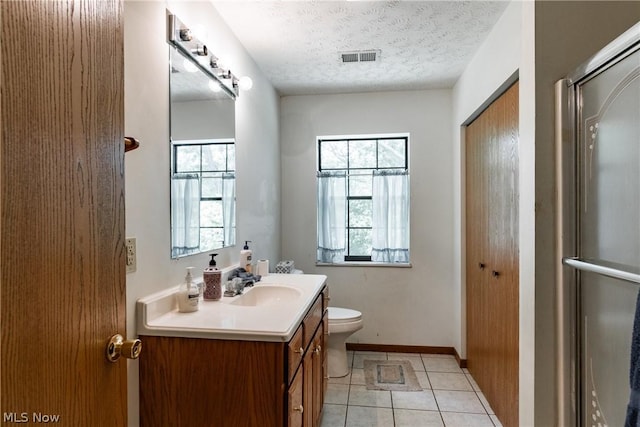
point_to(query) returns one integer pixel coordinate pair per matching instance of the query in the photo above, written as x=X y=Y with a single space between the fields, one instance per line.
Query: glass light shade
x=245 y=83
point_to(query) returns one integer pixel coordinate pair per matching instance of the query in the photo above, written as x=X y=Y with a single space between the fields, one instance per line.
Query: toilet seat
x=339 y=315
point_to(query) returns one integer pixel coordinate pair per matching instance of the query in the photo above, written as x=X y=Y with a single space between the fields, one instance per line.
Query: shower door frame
x=568 y=339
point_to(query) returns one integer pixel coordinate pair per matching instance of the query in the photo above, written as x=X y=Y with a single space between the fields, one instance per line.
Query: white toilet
x=342 y=323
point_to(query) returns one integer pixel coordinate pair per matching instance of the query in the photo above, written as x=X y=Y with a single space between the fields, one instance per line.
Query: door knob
x=117 y=347
x=130 y=143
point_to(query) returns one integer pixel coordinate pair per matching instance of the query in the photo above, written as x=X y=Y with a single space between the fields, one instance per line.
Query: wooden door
x=62 y=211
x=492 y=254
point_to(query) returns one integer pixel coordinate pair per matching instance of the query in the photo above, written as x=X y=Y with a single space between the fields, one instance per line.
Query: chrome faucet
x=234 y=287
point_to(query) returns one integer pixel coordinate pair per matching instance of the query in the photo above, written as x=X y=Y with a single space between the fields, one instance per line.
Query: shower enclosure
x=598 y=167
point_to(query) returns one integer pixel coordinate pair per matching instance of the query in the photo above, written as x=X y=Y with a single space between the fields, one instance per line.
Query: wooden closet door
x=477 y=224
x=492 y=239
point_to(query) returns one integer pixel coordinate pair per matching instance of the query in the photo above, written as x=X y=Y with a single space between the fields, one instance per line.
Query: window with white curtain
x=203 y=196
x=363 y=199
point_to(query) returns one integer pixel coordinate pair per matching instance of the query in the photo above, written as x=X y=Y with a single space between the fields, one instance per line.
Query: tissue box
x=284 y=267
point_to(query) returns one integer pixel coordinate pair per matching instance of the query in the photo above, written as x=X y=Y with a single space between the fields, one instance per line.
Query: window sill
x=363 y=264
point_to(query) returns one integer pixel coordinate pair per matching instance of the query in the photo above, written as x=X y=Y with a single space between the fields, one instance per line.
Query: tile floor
x=449 y=397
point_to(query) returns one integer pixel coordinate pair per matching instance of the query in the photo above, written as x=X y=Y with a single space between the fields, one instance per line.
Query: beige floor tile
x=357 y=376
x=449 y=381
x=350 y=358
x=360 y=356
x=414 y=359
x=441 y=364
x=359 y=416
x=413 y=418
x=457 y=419
x=473 y=382
x=458 y=401
x=423 y=379
x=442 y=356
x=360 y=396
x=422 y=400
x=333 y=415
x=337 y=394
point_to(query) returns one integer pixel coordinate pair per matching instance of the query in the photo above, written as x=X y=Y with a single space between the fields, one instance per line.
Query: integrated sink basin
x=268 y=295
x=269 y=311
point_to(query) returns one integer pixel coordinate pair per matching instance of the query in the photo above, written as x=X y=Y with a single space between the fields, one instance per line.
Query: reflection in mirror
x=202 y=160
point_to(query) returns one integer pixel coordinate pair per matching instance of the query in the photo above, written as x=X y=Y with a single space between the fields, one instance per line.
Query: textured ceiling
x=423 y=44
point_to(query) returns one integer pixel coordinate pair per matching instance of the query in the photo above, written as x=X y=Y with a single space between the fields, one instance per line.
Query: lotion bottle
x=188 y=295
x=246 y=257
x=212 y=281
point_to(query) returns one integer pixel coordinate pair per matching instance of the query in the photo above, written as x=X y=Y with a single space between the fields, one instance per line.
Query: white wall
x=402 y=306
x=147 y=168
x=203 y=120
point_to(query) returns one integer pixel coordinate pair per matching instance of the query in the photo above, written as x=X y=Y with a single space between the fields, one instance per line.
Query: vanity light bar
x=180 y=37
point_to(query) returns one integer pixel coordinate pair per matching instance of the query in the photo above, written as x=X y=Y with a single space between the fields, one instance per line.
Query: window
x=363 y=199
x=203 y=193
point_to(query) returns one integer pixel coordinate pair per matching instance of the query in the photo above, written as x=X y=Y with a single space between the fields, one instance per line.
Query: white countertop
x=158 y=315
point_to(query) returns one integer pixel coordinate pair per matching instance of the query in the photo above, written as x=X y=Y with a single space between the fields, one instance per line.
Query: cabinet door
x=307 y=365
x=295 y=406
x=318 y=379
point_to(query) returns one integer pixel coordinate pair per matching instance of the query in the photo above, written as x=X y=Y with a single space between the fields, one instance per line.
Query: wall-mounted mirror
x=202 y=160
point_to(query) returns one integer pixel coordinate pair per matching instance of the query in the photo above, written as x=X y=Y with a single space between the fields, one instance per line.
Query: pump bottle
x=246 y=256
x=212 y=281
x=188 y=295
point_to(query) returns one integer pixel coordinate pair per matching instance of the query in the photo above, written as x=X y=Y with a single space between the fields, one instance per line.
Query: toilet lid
x=340 y=315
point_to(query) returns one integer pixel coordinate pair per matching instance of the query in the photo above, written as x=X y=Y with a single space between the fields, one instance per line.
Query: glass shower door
x=608 y=204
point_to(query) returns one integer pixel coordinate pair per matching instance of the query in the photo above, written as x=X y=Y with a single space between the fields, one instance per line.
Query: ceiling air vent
x=349 y=57
x=360 y=56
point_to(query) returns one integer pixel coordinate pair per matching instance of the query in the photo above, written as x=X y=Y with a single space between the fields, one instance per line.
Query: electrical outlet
x=131 y=254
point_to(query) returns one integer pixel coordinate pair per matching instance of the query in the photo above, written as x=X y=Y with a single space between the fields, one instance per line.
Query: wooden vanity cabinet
x=212 y=382
x=313 y=367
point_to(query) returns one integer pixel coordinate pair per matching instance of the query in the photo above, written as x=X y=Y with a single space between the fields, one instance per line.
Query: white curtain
x=229 y=208
x=390 y=233
x=332 y=216
x=185 y=214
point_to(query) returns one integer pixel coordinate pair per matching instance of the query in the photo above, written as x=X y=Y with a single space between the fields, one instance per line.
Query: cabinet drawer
x=295 y=352
x=312 y=320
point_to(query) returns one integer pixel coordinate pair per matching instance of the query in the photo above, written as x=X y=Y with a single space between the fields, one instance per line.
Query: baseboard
x=408 y=349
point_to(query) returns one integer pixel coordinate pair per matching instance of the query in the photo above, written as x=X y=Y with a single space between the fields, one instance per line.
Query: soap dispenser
x=245 y=256
x=188 y=295
x=212 y=281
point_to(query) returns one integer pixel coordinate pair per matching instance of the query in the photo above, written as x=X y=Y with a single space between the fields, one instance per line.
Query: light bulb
x=214 y=86
x=200 y=32
x=245 y=83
